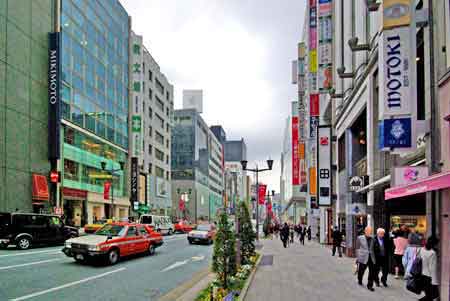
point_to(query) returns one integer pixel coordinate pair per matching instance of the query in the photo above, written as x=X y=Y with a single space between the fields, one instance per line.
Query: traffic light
x=55 y=176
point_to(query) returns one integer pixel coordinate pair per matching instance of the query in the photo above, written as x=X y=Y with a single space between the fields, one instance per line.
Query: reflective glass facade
x=94 y=58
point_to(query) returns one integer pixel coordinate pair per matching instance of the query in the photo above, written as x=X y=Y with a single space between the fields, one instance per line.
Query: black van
x=25 y=229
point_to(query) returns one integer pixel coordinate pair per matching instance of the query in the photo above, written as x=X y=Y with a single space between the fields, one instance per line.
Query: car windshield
x=111 y=230
x=203 y=227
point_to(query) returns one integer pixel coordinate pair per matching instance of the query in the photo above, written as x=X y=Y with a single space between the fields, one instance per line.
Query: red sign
x=295 y=153
x=181 y=205
x=54 y=176
x=314 y=105
x=262 y=193
x=106 y=189
x=40 y=187
x=72 y=192
x=323 y=140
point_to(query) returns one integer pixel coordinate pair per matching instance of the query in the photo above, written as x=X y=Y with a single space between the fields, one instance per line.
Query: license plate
x=79 y=256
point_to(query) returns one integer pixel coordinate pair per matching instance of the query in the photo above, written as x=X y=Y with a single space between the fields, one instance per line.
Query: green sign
x=136 y=124
x=136 y=49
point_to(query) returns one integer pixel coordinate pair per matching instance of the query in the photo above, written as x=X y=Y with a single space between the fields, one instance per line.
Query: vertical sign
x=295 y=152
x=324 y=165
x=134 y=180
x=294 y=72
x=136 y=92
x=262 y=193
x=136 y=124
x=54 y=117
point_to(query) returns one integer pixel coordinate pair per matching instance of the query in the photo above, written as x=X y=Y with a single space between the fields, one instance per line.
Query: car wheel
x=80 y=260
x=113 y=256
x=23 y=243
x=151 y=250
x=190 y=242
x=170 y=232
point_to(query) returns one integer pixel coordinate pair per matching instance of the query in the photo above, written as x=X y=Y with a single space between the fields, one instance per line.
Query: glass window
x=159 y=155
x=150 y=113
x=150 y=94
x=159 y=172
x=150 y=168
x=131 y=231
x=150 y=130
x=159 y=138
x=160 y=121
x=77 y=116
x=150 y=76
x=71 y=170
x=149 y=149
x=159 y=86
x=159 y=104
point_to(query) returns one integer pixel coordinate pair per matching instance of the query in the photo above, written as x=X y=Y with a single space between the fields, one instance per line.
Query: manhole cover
x=266 y=260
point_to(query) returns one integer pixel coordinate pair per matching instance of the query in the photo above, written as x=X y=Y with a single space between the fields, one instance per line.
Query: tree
x=224 y=254
x=246 y=234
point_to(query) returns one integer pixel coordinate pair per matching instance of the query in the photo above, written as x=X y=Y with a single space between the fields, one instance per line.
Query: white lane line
x=28 y=253
x=66 y=285
x=175 y=265
x=27 y=264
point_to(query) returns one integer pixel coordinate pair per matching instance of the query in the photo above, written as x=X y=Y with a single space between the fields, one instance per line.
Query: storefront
x=408 y=211
x=75 y=206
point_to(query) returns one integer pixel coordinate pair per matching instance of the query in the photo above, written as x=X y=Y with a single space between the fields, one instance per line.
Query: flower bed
x=236 y=284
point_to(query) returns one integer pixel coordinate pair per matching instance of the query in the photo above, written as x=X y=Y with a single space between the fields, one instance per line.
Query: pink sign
x=409 y=174
x=295 y=152
x=313 y=38
x=434 y=182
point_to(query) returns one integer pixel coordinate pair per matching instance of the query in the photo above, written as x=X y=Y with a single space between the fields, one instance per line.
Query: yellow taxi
x=91 y=228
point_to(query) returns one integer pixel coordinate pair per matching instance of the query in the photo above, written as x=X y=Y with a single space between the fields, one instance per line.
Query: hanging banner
x=262 y=194
x=313 y=124
x=325 y=78
x=313 y=61
x=325 y=8
x=294 y=72
x=314 y=105
x=295 y=152
x=324 y=164
x=312 y=181
x=106 y=189
x=303 y=173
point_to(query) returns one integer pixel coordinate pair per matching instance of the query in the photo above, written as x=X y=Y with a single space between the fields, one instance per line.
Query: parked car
x=27 y=229
x=161 y=224
x=91 y=228
x=203 y=233
x=113 y=241
x=183 y=227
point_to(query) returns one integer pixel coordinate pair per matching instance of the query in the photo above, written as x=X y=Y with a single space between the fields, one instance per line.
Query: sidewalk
x=310 y=273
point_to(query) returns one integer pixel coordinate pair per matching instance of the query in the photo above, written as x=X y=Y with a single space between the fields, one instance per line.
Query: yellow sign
x=313 y=61
x=312 y=181
x=396 y=13
x=99 y=176
x=301 y=150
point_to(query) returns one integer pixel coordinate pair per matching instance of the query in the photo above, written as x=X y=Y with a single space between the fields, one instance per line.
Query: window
x=167 y=143
x=159 y=104
x=160 y=121
x=150 y=94
x=71 y=170
x=159 y=155
x=159 y=86
x=167 y=175
x=131 y=231
x=143 y=87
x=150 y=75
x=150 y=168
x=167 y=159
x=142 y=231
x=143 y=106
x=150 y=130
x=159 y=172
x=143 y=67
x=159 y=138
x=167 y=95
x=150 y=113
x=341 y=152
x=150 y=149
x=167 y=128
x=167 y=112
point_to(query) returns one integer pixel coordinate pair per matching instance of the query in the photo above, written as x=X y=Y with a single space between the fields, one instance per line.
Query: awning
x=434 y=182
x=39 y=188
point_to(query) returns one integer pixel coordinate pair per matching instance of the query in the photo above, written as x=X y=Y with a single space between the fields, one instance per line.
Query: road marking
x=28 y=253
x=29 y=263
x=175 y=265
x=66 y=285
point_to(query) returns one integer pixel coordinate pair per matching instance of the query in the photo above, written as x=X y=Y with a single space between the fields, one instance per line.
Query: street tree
x=224 y=254
x=246 y=234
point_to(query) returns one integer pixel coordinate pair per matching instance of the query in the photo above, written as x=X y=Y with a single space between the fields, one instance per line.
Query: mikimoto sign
x=54 y=118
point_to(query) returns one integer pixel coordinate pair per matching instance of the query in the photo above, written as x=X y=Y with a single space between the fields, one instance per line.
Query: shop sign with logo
x=356 y=183
x=395 y=133
x=409 y=174
x=356 y=209
x=136 y=95
x=54 y=115
x=324 y=164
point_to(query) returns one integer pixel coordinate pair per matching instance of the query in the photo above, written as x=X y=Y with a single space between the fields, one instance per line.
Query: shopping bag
x=415 y=284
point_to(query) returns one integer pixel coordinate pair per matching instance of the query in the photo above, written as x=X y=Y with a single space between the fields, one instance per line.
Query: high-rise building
x=94 y=109
x=151 y=115
x=24 y=28
x=235 y=150
x=197 y=168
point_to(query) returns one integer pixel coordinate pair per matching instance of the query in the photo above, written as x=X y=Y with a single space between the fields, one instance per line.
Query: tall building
x=151 y=115
x=235 y=150
x=24 y=28
x=197 y=170
x=94 y=108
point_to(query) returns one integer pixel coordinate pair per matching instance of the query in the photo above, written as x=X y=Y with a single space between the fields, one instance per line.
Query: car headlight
x=94 y=248
x=68 y=244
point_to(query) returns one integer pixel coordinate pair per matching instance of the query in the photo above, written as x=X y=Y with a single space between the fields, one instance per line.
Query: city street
x=47 y=274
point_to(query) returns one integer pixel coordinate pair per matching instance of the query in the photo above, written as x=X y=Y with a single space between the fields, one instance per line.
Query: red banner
x=40 y=187
x=106 y=188
x=314 y=105
x=262 y=194
x=181 y=205
x=295 y=153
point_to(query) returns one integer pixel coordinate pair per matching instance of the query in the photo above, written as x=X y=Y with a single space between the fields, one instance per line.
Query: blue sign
x=395 y=133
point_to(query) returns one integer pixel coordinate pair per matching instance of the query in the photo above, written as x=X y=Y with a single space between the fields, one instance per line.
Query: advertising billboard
x=324 y=164
x=295 y=152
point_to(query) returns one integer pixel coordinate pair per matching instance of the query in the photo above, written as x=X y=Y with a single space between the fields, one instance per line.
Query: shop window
x=71 y=170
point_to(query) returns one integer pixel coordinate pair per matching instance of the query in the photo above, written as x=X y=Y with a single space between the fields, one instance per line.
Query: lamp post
x=257 y=171
x=112 y=172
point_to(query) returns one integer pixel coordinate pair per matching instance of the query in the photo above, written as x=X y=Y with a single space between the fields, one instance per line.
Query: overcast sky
x=239 y=53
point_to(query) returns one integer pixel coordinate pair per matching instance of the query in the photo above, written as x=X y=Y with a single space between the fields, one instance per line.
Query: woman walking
x=410 y=254
x=400 y=243
x=429 y=269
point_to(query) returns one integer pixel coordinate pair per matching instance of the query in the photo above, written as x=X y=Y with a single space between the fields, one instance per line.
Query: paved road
x=310 y=273
x=47 y=274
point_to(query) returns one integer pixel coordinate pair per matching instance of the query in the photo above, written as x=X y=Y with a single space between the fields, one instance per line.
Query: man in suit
x=382 y=248
x=366 y=257
x=337 y=241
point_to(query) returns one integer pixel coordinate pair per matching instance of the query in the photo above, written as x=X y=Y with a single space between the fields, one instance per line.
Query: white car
x=161 y=224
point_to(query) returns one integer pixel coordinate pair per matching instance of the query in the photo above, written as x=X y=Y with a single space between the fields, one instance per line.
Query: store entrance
x=75 y=212
x=409 y=212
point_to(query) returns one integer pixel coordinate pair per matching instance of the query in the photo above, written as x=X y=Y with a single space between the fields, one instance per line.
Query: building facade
x=24 y=28
x=94 y=108
x=197 y=171
x=150 y=139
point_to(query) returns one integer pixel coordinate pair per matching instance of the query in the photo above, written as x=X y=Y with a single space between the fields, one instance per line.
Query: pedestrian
x=302 y=235
x=284 y=234
x=309 y=233
x=337 y=241
x=382 y=247
x=276 y=229
x=366 y=257
x=429 y=269
x=400 y=243
x=291 y=232
x=411 y=252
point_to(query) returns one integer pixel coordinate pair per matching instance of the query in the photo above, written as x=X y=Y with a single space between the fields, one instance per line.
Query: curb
x=179 y=292
x=249 y=280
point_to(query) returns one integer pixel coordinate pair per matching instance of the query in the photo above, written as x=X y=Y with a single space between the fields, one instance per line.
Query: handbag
x=416 y=267
x=415 y=284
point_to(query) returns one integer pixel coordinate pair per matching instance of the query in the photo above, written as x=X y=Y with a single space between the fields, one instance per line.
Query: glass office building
x=94 y=94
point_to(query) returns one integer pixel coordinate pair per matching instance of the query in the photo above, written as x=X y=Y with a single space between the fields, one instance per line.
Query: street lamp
x=257 y=171
x=112 y=172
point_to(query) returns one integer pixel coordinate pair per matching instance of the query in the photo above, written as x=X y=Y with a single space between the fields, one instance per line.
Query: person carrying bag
x=415 y=281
